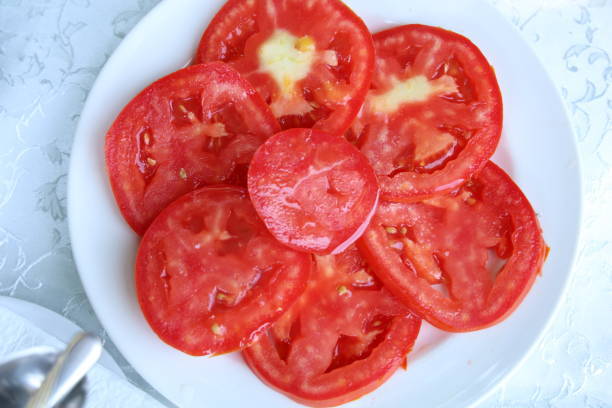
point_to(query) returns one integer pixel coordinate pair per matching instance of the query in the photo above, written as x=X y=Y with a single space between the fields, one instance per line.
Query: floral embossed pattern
x=51 y=52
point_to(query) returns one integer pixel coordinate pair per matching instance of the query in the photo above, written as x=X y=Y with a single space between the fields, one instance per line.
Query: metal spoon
x=69 y=369
x=22 y=376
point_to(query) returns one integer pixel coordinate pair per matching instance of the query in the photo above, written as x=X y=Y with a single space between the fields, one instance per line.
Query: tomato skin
x=210 y=278
x=314 y=191
x=335 y=92
x=466 y=123
x=180 y=133
x=476 y=300
x=332 y=309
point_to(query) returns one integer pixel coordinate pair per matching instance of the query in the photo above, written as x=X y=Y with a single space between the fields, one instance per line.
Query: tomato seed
x=217 y=329
x=391 y=230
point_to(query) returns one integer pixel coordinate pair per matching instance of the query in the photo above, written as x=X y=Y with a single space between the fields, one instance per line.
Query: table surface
x=51 y=52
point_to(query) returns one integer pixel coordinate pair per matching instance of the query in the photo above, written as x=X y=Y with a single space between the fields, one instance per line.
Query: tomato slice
x=210 y=277
x=315 y=192
x=463 y=261
x=343 y=338
x=197 y=126
x=433 y=115
x=311 y=60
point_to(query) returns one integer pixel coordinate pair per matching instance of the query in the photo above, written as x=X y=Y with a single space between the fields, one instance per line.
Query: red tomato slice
x=314 y=191
x=197 y=126
x=343 y=338
x=463 y=261
x=433 y=116
x=210 y=277
x=311 y=60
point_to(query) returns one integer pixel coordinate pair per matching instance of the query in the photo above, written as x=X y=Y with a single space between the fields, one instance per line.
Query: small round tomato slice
x=344 y=337
x=210 y=277
x=311 y=60
x=197 y=126
x=315 y=192
x=433 y=115
x=463 y=261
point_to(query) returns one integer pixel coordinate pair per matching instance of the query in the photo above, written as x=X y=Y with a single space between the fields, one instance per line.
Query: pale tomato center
x=421 y=144
x=289 y=59
x=414 y=89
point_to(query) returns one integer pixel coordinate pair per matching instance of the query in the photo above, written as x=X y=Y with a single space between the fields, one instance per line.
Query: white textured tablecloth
x=52 y=50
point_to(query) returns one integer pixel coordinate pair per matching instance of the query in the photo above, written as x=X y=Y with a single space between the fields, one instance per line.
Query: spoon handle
x=71 y=366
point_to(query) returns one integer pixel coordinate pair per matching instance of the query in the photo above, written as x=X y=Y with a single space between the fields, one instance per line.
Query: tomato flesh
x=433 y=115
x=342 y=339
x=315 y=192
x=463 y=261
x=197 y=126
x=311 y=60
x=210 y=277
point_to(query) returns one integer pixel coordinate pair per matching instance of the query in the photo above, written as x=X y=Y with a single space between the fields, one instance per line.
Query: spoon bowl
x=22 y=376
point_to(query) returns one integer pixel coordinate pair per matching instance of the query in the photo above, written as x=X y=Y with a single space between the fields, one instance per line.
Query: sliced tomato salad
x=197 y=126
x=310 y=60
x=210 y=277
x=308 y=192
x=343 y=338
x=462 y=261
x=433 y=115
x=315 y=192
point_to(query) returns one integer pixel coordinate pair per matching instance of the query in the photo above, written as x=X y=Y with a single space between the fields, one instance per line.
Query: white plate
x=55 y=325
x=537 y=149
